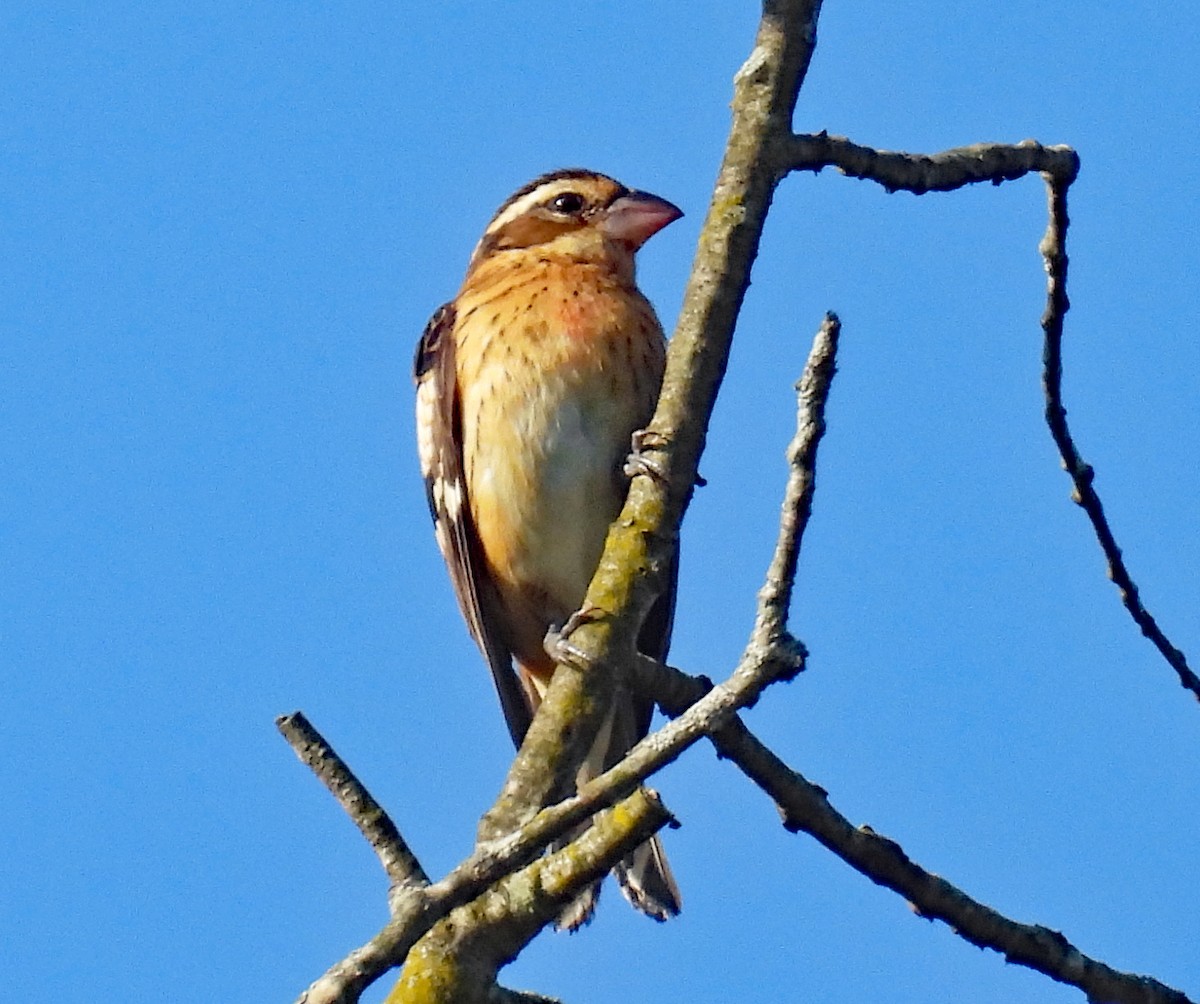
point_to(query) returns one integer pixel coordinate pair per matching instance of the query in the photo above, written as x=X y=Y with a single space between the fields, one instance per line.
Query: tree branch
x=458 y=959
x=997 y=163
x=500 y=995
x=417 y=909
x=805 y=807
x=775 y=597
x=918 y=172
x=398 y=860
x=1053 y=249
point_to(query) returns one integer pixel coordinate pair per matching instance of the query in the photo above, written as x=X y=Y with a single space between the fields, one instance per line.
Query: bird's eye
x=568 y=203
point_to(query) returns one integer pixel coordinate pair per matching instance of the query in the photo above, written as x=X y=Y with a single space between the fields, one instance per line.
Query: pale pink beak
x=637 y=216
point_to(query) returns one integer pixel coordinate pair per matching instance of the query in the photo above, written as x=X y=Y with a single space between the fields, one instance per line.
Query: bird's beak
x=637 y=216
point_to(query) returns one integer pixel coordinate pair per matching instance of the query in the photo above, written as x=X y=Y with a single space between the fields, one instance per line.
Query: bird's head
x=576 y=214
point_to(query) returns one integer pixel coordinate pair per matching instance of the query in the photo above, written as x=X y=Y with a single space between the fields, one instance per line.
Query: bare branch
x=951 y=169
x=775 y=597
x=805 y=807
x=398 y=860
x=920 y=173
x=415 y=909
x=345 y=981
x=1053 y=248
x=458 y=959
x=540 y=891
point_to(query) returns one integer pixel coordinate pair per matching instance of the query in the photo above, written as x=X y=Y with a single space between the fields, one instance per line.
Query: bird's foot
x=638 y=463
x=558 y=645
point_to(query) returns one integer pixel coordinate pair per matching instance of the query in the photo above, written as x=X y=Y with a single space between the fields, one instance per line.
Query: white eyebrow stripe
x=541 y=194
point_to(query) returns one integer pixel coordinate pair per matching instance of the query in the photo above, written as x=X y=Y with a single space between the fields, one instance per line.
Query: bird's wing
x=439 y=442
x=655 y=638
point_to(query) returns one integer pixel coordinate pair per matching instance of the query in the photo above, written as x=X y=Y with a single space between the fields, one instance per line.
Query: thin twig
x=345 y=981
x=398 y=860
x=775 y=597
x=919 y=173
x=805 y=807
x=997 y=163
x=1053 y=249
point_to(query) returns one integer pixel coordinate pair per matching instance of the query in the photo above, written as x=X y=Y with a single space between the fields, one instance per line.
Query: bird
x=530 y=384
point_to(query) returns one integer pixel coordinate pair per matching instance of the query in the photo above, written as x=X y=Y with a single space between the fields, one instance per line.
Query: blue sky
x=221 y=231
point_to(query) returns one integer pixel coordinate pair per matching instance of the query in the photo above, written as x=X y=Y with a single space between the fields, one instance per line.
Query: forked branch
x=996 y=163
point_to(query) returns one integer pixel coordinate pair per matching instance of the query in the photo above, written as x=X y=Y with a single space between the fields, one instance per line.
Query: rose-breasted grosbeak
x=530 y=383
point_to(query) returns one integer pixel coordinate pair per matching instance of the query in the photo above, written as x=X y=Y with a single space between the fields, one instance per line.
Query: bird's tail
x=645 y=879
x=644 y=876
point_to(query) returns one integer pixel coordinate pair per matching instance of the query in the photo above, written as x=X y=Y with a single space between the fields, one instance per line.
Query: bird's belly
x=544 y=491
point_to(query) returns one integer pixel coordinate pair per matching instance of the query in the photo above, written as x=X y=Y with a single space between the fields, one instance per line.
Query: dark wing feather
x=654 y=639
x=439 y=442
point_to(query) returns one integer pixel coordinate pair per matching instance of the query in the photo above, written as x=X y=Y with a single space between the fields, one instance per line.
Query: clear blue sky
x=222 y=228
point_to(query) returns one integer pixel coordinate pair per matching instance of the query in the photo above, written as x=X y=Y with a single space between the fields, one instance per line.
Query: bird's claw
x=637 y=462
x=557 y=645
